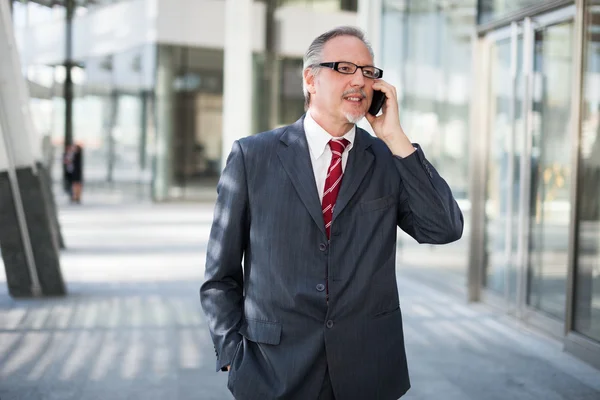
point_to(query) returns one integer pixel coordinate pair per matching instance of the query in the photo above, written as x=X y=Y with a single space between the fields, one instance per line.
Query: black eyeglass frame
x=335 y=66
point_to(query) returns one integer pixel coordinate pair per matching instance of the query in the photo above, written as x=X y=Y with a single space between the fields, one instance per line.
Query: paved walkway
x=132 y=328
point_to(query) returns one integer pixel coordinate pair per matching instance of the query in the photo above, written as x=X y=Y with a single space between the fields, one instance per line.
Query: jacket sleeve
x=427 y=211
x=221 y=294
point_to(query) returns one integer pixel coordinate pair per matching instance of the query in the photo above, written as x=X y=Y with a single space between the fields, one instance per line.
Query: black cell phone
x=377 y=103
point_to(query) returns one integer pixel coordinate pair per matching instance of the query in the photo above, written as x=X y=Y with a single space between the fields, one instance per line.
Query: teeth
x=354 y=98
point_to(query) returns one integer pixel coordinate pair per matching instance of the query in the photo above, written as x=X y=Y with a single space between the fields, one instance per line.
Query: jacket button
x=320 y=287
x=329 y=324
x=322 y=247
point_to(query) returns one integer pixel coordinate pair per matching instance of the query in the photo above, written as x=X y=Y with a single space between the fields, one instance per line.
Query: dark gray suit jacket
x=270 y=319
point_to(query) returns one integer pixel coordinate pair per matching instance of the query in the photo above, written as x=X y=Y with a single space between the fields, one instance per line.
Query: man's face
x=340 y=96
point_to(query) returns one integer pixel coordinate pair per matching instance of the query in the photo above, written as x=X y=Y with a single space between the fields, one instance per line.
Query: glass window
x=39 y=13
x=19 y=14
x=491 y=10
x=426 y=54
x=291 y=96
x=110 y=118
x=587 y=283
x=189 y=111
x=499 y=179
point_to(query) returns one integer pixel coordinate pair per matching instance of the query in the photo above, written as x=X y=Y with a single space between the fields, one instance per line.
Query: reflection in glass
x=587 y=281
x=550 y=169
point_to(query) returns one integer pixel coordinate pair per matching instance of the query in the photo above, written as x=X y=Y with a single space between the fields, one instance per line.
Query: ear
x=309 y=79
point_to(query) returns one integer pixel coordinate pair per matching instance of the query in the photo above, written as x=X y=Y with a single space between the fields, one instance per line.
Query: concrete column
x=29 y=235
x=369 y=20
x=164 y=115
x=237 y=92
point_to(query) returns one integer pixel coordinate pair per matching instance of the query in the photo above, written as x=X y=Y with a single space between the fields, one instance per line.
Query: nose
x=358 y=78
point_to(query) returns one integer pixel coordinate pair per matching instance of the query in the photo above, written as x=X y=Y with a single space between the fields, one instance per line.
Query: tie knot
x=338 y=146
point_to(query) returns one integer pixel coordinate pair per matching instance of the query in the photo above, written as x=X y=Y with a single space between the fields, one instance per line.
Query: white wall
x=201 y=23
x=299 y=26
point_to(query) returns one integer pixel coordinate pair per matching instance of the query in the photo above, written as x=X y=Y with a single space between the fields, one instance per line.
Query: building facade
x=503 y=95
x=148 y=83
x=505 y=98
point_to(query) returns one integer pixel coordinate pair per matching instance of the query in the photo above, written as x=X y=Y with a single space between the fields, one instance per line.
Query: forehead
x=347 y=48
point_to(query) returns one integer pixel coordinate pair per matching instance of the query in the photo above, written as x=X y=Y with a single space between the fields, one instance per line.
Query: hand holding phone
x=377 y=102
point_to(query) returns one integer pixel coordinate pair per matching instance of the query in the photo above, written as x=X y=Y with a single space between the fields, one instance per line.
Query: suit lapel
x=295 y=158
x=359 y=162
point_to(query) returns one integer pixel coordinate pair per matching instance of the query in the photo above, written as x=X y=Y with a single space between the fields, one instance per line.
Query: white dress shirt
x=320 y=152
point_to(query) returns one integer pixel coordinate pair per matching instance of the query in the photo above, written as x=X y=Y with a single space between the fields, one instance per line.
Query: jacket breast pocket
x=390 y=311
x=378 y=204
x=261 y=331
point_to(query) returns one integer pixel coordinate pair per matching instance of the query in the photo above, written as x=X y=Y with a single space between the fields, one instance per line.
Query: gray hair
x=313 y=55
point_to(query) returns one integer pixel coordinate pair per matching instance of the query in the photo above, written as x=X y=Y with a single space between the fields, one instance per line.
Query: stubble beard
x=353 y=118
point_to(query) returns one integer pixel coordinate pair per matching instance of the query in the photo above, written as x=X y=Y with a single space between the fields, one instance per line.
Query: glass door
x=550 y=163
x=527 y=201
x=505 y=148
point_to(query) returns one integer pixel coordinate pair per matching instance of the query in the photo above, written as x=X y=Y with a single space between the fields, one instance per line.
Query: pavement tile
x=131 y=326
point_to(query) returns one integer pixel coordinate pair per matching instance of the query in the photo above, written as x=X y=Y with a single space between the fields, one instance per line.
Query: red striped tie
x=333 y=181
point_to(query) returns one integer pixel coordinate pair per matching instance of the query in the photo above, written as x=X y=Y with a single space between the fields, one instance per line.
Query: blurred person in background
x=73 y=172
x=311 y=210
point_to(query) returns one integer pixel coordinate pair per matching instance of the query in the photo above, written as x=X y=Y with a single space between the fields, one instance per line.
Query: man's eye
x=344 y=69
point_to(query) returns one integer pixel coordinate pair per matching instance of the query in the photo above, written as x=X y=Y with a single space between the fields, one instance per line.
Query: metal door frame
x=530 y=314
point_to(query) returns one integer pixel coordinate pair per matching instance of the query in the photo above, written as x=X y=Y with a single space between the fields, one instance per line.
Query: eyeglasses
x=348 y=68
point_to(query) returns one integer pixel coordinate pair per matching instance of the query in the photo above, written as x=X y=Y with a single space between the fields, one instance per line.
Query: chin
x=353 y=118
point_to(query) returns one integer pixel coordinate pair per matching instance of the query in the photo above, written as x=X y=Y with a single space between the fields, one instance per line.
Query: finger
x=370 y=118
x=390 y=103
x=387 y=88
x=382 y=83
x=384 y=87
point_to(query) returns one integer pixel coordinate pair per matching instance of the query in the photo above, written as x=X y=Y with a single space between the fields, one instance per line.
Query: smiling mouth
x=354 y=99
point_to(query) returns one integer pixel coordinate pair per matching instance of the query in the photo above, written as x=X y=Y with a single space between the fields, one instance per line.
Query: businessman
x=300 y=293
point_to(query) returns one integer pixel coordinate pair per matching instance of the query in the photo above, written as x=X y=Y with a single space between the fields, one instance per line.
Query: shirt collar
x=318 y=138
